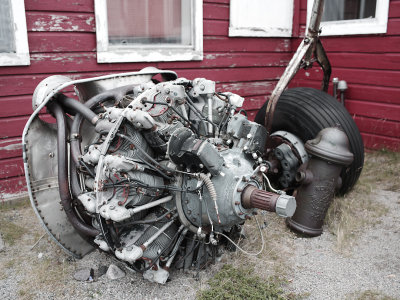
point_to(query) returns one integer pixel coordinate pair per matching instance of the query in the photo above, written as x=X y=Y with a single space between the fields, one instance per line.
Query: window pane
x=144 y=22
x=336 y=10
x=7 y=43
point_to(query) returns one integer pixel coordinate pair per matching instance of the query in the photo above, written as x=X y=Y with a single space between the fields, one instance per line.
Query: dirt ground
x=357 y=256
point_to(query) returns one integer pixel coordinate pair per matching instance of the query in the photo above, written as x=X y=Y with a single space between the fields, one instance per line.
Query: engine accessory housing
x=319 y=178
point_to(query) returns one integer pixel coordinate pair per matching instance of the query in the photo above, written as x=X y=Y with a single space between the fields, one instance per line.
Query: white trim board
x=21 y=55
x=358 y=26
x=107 y=53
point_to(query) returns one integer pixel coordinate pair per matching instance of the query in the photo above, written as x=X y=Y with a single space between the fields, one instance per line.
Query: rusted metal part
x=252 y=197
x=309 y=47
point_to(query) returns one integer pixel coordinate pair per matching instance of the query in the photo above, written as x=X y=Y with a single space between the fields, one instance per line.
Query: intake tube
x=63 y=184
x=91 y=103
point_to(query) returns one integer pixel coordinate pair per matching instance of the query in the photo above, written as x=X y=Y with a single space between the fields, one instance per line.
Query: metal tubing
x=78 y=107
x=149 y=205
x=63 y=186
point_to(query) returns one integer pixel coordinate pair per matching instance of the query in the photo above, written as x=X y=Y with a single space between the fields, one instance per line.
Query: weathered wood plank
x=12 y=187
x=378 y=126
x=374 y=110
x=10 y=148
x=387 y=78
x=393 y=27
x=11 y=167
x=215 y=11
x=57 y=21
x=358 y=44
x=394 y=9
x=225 y=44
x=373 y=141
x=246 y=89
x=60 y=5
x=384 y=61
x=61 y=42
x=86 y=62
x=215 y=27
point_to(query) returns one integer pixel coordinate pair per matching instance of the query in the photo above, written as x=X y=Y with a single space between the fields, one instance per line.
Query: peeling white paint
x=12 y=147
x=89 y=21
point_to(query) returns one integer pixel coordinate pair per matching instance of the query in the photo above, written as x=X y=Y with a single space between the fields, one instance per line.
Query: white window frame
x=235 y=29
x=359 y=26
x=21 y=55
x=107 y=53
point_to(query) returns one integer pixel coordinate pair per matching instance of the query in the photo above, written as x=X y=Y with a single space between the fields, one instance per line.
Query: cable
x=244 y=251
x=269 y=185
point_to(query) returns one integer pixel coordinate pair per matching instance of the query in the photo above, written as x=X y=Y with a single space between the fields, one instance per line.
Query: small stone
x=82 y=274
x=1 y=244
x=40 y=255
x=114 y=272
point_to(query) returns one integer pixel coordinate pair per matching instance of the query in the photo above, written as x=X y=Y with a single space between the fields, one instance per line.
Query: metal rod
x=149 y=205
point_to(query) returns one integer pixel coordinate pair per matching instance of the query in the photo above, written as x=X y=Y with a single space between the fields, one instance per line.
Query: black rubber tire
x=305 y=111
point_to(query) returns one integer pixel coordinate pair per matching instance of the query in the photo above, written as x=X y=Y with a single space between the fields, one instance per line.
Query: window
x=14 y=49
x=149 y=30
x=344 y=17
x=261 y=18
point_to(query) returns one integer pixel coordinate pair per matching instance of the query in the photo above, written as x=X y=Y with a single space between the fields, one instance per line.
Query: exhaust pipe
x=320 y=178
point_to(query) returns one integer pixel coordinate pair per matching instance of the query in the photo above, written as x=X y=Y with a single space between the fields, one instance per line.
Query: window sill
x=353 y=27
x=147 y=55
x=14 y=59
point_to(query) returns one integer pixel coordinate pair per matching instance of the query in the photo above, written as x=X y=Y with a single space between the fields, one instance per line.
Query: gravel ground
x=314 y=268
x=373 y=263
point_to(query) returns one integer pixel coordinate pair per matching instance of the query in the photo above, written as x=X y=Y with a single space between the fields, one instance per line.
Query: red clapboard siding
x=225 y=44
x=378 y=142
x=386 y=78
x=60 y=5
x=251 y=88
x=357 y=91
x=394 y=11
x=86 y=62
x=58 y=21
x=12 y=187
x=216 y=27
x=217 y=1
x=384 y=61
x=10 y=148
x=12 y=127
x=362 y=44
x=47 y=42
x=11 y=167
x=378 y=126
x=215 y=11
x=15 y=106
x=374 y=110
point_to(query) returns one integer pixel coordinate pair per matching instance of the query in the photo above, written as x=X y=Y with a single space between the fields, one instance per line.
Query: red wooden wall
x=62 y=40
x=371 y=66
